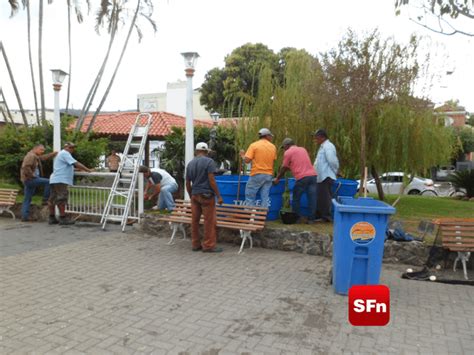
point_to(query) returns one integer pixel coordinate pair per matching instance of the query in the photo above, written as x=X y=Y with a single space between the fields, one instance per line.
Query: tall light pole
x=58 y=78
x=190 y=59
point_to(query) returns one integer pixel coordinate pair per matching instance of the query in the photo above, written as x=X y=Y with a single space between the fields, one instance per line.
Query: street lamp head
x=215 y=116
x=58 y=76
x=190 y=59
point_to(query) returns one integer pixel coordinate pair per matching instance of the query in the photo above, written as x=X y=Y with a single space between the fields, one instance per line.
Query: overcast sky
x=213 y=28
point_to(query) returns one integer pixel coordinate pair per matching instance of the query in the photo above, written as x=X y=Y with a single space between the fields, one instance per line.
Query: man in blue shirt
x=62 y=177
x=326 y=166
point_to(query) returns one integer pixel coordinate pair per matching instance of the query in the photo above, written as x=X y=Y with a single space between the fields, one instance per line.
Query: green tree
x=362 y=82
x=239 y=79
x=464 y=141
x=172 y=153
x=439 y=15
x=470 y=120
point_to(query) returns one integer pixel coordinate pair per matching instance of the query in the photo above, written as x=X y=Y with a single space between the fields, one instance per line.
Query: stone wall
x=411 y=253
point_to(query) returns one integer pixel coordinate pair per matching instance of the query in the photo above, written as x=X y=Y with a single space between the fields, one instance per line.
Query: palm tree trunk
x=70 y=54
x=12 y=79
x=8 y=115
x=124 y=48
x=33 y=84
x=40 y=60
x=93 y=89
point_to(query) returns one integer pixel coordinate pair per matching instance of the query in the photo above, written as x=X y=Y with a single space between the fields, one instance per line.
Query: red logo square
x=369 y=305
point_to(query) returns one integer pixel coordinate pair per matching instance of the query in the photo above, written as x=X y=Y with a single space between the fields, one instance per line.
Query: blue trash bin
x=228 y=186
x=358 y=241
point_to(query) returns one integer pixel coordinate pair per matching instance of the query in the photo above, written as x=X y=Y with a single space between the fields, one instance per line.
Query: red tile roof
x=120 y=123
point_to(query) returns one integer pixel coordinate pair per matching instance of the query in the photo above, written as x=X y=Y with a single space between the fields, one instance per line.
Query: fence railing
x=89 y=195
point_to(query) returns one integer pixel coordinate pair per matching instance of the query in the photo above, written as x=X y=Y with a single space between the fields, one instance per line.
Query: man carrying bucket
x=326 y=165
x=297 y=160
x=262 y=154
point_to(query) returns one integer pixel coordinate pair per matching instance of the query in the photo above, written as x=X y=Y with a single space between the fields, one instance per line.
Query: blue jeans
x=30 y=189
x=308 y=184
x=256 y=183
x=165 y=199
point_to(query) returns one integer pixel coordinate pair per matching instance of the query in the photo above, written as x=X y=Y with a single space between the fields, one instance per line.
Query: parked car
x=444 y=171
x=392 y=183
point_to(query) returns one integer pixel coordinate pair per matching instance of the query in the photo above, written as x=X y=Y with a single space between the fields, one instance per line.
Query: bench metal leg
x=175 y=227
x=245 y=235
x=463 y=256
x=7 y=210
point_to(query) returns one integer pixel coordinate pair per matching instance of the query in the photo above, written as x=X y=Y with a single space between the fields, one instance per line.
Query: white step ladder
x=121 y=200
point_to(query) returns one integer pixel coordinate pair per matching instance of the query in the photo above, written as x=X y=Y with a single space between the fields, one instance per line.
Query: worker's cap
x=69 y=145
x=321 y=133
x=287 y=141
x=264 y=132
x=202 y=146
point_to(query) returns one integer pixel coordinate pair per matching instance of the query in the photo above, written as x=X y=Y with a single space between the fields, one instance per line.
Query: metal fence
x=89 y=195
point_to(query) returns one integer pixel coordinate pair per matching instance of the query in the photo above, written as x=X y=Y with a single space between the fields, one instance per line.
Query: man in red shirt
x=297 y=160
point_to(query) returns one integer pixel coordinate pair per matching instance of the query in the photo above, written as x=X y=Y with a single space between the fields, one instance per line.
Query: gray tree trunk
x=12 y=79
x=124 y=48
x=40 y=60
x=33 y=83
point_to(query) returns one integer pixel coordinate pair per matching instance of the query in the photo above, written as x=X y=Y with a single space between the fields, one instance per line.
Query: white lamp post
x=215 y=118
x=58 y=78
x=189 y=64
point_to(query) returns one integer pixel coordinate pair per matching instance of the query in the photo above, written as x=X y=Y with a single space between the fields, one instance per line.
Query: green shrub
x=464 y=180
x=15 y=142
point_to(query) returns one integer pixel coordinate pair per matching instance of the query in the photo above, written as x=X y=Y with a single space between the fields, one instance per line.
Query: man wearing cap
x=62 y=177
x=31 y=176
x=159 y=184
x=297 y=160
x=326 y=165
x=201 y=186
x=262 y=154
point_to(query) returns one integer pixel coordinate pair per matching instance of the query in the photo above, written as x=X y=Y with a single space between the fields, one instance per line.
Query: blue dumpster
x=228 y=186
x=359 y=235
x=341 y=187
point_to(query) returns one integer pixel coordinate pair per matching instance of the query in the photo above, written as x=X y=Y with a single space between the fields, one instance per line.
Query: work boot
x=52 y=220
x=65 y=221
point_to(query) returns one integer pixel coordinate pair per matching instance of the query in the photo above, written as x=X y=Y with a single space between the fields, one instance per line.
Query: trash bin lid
x=362 y=205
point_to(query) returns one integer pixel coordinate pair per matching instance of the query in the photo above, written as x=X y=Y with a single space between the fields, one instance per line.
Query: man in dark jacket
x=31 y=176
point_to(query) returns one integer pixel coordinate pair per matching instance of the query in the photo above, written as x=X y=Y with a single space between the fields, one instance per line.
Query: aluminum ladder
x=121 y=200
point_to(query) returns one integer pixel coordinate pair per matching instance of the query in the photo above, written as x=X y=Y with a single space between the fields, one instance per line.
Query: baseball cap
x=202 y=146
x=321 y=132
x=287 y=141
x=69 y=145
x=264 y=132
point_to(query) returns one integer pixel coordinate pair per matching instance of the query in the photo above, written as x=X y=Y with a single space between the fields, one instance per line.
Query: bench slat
x=224 y=224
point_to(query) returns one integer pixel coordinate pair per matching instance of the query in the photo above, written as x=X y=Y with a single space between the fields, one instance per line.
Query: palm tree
x=133 y=24
x=110 y=10
x=40 y=59
x=12 y=79
x=26 y=4
x=8 y=115
x=80 y=18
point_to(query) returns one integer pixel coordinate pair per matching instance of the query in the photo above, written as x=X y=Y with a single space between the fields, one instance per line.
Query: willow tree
x=362 y=93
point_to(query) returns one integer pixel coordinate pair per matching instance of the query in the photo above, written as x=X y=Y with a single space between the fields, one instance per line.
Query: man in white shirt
x=159 y=184
x=326 y=166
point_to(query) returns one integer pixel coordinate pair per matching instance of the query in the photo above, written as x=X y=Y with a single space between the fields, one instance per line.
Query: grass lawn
x=411 y=210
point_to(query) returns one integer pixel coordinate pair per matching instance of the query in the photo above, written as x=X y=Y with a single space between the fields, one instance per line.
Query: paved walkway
x=80 y=290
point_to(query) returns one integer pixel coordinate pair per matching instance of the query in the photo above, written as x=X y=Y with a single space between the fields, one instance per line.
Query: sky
x=213 y=28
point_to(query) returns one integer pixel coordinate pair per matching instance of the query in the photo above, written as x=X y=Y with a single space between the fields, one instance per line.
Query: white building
x=172 y=101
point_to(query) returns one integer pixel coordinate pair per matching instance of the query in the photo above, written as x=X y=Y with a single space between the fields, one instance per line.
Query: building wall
x=172 y=101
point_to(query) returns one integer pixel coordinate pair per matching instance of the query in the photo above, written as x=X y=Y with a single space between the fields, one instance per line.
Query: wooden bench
x=458 y=236
x=246 y=219
x=7 y=200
